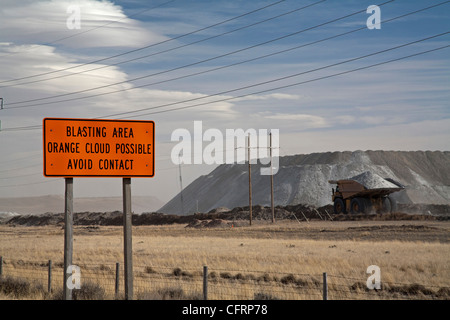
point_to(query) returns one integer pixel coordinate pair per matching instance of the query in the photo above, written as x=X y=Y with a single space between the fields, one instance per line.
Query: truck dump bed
x=366 y=184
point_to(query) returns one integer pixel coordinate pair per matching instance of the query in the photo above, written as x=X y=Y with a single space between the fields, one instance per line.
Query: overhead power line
x=283 y=78
x=14 y=104
x=272 y=81
x=9 y=185
x=35 y=127
x=172 y=69
x=160 y=52
x=220 y=67
x=149 y=45
x=304 y=82
x=85 y=31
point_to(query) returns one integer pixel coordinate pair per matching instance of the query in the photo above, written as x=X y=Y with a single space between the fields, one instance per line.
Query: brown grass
x=263 y=261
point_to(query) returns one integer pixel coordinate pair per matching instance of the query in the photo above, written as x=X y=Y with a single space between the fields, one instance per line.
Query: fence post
x=117 y=280
x=325 y=286
x=1 y=266
x=205 y=282
x=49 y=276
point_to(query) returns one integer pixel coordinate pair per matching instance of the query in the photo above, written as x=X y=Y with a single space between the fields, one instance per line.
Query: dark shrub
x=89 y=291
x=16 y=287
x=288 y=279
x=264 y=296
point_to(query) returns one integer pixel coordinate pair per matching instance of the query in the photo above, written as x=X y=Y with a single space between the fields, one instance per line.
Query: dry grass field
x=283 y=260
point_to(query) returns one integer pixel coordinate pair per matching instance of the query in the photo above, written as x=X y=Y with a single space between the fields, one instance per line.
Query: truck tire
x=386 y=205
x=357 y=205
x=368 y=207
x=393 y=203
x=339 y=206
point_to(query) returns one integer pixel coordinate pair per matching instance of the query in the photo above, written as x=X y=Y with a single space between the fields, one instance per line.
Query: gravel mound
x=373 y=181
x=304 y=179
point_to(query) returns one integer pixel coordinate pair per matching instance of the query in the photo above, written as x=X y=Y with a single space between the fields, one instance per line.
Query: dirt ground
x=422 y=223
x=420 y=231
x=426 y=231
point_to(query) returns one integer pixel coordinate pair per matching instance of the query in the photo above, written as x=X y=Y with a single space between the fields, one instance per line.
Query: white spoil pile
x=303 y=179
x=373 y=181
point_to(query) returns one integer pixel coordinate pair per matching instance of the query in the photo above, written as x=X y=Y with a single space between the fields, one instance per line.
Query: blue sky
x=401 y=105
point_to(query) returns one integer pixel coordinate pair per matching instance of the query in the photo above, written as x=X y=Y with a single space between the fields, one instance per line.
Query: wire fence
x=44 y=280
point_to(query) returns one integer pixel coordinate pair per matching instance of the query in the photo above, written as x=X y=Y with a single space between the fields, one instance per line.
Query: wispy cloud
x=301 y=120
x=44 y=21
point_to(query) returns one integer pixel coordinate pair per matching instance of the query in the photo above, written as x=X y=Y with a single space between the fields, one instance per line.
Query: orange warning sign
x=98 y=148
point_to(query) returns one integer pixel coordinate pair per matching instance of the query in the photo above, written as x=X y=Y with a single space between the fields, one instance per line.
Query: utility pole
x=181 y=188
x=271 y=179
x=1 y=107
x=249 y=182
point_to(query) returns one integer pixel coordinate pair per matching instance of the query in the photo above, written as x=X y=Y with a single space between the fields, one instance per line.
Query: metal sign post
x=127 y=243
x=68 y=236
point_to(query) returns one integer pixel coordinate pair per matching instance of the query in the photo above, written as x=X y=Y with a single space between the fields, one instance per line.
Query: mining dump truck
x=365 y=193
